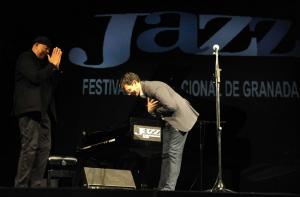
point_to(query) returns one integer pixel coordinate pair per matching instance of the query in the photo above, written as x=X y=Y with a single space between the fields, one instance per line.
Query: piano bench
x=61 y=167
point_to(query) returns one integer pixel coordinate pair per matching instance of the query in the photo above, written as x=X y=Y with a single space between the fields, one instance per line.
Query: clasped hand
x=55 y=57
x=151 y=105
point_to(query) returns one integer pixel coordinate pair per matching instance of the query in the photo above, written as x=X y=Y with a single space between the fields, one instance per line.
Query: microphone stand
x=219 y=185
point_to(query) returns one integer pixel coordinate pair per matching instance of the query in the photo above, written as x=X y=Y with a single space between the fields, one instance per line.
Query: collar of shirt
x=142 y=95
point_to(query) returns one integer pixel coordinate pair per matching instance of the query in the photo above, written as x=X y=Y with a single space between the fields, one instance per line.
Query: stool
x=61 y=167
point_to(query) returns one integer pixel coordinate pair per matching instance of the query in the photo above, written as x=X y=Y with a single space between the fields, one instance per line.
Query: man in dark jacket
x=33 y=99
x=179 y=117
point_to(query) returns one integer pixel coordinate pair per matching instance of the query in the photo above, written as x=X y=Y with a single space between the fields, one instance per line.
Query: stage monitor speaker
x=103 y=178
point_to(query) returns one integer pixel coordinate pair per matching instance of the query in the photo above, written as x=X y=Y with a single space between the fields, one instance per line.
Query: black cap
x=43 y=40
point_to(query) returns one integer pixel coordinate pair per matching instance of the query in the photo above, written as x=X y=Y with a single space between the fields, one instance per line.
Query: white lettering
x=101 y=87
x=247 y=89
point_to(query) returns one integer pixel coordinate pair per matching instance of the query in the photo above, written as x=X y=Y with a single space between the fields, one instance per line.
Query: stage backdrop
x=259 y=60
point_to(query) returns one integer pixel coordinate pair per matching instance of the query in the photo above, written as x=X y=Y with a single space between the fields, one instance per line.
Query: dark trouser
x=173 y=144
x=35 y=149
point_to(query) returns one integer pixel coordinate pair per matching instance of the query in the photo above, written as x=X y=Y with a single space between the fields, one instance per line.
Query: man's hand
x=151 y=105
x=55 y=57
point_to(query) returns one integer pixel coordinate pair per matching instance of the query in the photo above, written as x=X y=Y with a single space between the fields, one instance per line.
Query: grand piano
x=134 y=146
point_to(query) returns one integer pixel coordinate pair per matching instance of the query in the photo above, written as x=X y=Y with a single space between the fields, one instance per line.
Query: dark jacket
x=34 y=85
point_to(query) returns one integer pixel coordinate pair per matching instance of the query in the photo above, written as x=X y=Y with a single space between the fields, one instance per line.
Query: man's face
x=133 y=89
x=42 y=50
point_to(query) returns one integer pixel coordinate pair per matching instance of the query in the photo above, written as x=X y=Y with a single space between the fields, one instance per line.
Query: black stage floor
x=84 y=192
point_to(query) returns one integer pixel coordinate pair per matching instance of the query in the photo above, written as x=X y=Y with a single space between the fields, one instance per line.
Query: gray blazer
x=173 y=108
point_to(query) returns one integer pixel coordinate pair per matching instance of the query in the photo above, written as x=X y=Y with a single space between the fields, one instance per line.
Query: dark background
x=260 y=137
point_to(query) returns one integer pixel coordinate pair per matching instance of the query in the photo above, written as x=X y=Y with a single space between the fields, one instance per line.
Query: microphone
x=216 y=47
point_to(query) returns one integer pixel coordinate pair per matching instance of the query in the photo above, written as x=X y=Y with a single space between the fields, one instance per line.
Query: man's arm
x=167 y=105
x=28 y=67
